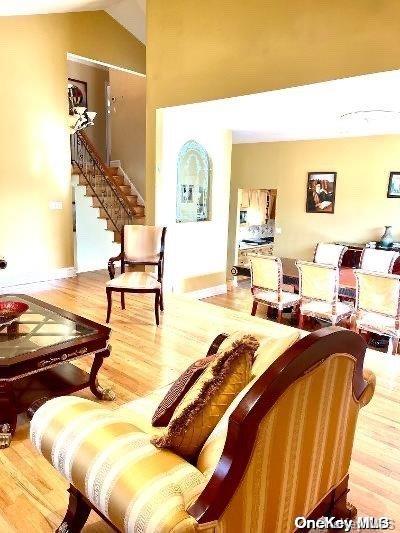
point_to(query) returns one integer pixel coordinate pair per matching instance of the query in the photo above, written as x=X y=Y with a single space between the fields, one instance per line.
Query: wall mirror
x=193 y=183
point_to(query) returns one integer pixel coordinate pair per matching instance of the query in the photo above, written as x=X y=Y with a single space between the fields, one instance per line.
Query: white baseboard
x=93 y=267
x=7 y=279
x=209 y=291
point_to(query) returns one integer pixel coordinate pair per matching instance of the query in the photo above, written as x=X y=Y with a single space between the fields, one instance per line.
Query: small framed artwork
x=77 y=90
x=394 y=185
x=321 y=188
x=243 y=216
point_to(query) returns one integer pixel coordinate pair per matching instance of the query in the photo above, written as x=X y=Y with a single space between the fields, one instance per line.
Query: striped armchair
x=281 y=450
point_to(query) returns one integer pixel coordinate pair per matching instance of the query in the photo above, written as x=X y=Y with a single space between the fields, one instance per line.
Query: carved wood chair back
x=329 y=254
x=378 y=293
x=266 y=273
x=318 y=282
x=382 y=261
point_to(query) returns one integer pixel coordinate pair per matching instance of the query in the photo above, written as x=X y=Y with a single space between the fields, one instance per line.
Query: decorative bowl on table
x=11 y=310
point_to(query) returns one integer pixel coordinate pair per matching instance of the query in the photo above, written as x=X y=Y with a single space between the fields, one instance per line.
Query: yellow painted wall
x=212 y=49
x=362 y=208
x=128 y=125
x=34 y=155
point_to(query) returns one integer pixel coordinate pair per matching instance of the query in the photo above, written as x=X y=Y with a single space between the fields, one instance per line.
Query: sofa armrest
x=370 y=383
x=115 y=466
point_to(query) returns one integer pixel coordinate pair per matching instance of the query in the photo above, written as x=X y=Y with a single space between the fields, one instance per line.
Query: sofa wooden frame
x=297 y=361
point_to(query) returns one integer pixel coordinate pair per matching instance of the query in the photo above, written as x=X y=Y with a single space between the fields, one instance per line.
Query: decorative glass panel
x=193 y=184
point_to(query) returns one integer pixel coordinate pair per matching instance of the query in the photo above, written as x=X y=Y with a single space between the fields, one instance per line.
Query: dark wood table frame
x=29 y=379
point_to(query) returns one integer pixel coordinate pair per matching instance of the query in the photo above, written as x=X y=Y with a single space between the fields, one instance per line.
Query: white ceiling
x=132 y=15
x=307 y=112
x=34 y=7
x=129 y=13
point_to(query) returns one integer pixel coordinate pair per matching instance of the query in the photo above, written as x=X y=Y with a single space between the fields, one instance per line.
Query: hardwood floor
x=144 y=357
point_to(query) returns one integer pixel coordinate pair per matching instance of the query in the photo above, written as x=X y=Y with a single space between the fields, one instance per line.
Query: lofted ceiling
x=350 y=107
x=129 y=13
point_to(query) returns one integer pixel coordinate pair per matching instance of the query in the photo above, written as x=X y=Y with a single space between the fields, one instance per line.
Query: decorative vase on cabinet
x=387 y=238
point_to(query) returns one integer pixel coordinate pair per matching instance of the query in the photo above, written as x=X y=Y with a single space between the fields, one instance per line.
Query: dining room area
x=349 y=285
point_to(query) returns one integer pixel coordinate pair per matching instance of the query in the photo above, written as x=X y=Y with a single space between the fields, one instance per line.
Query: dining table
x=347 y=280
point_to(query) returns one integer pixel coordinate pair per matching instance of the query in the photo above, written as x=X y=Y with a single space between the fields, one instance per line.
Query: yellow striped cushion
x=267 y=353
x=270 y=349
x=303 y=450
x=140 y=411
x=137 y=486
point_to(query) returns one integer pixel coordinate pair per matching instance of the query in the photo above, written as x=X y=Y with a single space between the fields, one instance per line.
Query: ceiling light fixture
x=372 y=115
x=377 y=121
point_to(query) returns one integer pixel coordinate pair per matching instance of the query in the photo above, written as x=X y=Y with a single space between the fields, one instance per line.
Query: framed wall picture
x=77 y=90
x=193 y=183
x=321 y=188
x=394 y=185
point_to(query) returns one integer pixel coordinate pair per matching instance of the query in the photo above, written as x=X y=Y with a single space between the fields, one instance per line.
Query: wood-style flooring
x=33 y=496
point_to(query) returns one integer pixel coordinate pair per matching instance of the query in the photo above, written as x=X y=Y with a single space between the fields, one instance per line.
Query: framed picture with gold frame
x=321 y=191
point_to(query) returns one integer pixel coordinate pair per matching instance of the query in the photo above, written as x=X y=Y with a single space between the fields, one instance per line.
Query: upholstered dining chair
x=378 y=306
x=319 y=292
x=140 y=246
x=329 y=254
x=266 y=285
x=373 y=260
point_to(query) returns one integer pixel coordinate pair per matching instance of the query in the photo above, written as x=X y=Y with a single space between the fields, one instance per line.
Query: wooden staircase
x=114 y=199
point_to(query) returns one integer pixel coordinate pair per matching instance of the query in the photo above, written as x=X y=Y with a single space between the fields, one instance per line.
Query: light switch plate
x=55 y=205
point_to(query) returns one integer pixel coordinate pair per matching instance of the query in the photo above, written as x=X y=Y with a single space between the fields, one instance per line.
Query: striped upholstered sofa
x=281 y=450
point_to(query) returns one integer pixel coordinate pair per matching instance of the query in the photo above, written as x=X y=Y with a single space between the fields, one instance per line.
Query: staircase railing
x=100 y=181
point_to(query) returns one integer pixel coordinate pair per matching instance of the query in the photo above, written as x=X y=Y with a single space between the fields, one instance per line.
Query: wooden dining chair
x=377 y=308
x=266 y=285
x=373 y=260
x=329 y=254
x=140 y=246
x=319 y=292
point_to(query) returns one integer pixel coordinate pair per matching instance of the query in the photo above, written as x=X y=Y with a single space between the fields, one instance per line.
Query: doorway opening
x=255 y=230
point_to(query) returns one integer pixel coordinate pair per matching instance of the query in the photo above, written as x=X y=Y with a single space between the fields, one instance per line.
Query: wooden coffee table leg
x=97 y=390
x=8 y=414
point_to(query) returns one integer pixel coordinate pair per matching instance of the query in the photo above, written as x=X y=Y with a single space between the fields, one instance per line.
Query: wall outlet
x=278 y=230
x=55 y=205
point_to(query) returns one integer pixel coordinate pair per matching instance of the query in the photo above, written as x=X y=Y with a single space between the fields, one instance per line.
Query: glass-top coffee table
x=35 y=355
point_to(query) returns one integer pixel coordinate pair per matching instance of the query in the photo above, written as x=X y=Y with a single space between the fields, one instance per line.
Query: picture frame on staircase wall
x=79 y=91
